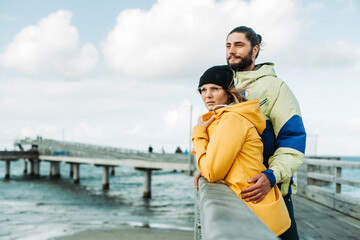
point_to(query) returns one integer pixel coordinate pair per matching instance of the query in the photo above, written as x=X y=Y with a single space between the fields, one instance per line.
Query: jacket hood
x=261 y=70
x=249 y=110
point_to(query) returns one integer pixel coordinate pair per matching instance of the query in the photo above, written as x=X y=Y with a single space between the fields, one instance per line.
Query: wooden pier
x=318 y=222
x=75 y=154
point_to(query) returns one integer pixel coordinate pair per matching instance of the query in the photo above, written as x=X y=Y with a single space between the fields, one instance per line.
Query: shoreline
x=129 y=232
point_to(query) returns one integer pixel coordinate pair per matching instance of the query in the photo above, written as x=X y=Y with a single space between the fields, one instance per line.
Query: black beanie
x=219 y=75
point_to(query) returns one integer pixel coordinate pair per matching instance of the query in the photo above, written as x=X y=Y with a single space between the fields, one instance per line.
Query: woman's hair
x=237 y=94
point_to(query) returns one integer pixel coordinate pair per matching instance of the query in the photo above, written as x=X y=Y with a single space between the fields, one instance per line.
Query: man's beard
x=243 y=64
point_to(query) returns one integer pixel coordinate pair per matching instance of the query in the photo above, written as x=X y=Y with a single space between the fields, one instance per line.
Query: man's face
x=239 y=53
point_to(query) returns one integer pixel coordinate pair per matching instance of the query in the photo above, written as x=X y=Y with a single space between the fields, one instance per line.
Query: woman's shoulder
x=235 y=117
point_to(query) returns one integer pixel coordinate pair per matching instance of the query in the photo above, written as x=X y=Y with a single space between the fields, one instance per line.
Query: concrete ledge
x=224 y=215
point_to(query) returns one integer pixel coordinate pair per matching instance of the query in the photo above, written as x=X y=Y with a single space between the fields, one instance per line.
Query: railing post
x=338 y=175
x=310 y=168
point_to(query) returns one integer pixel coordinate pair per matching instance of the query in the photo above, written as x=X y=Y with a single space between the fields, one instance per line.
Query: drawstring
x=220 y=106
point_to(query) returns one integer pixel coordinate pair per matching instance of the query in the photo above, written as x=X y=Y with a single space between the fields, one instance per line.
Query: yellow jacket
x=230 y=151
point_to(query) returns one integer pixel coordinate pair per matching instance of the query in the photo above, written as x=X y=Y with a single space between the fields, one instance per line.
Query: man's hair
x=251 y=36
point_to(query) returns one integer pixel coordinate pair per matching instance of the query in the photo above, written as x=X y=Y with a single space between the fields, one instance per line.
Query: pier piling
x=71 y=170
x=105 y=178
x=7 y=173
x=76 y=173
x=32 y=167
x=52 y=169
x=147 y=183
x=57 y=170
x=36 y=164
x=25 y=166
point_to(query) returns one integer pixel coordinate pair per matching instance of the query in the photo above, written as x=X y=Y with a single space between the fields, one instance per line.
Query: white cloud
x=349 y=6
x=329 y=136
x=81 y=132
x=51 y=45
x=337 y=54
x=179 y=37
x=49 y=131
x=176 y=119
x=137 y=129
x=8 y=18
x=314 y=6
x=85 y=131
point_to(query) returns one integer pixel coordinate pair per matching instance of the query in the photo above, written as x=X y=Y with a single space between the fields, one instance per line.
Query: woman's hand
x=201 y=123
x=196 y=179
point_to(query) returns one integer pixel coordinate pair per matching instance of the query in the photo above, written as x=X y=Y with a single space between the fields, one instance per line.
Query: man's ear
x=255 y=50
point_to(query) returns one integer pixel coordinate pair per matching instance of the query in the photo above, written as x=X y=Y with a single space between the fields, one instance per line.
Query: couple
x=259 y=169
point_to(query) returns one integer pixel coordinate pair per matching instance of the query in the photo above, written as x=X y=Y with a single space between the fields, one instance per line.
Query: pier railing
x=321 y=180
x=221 y=214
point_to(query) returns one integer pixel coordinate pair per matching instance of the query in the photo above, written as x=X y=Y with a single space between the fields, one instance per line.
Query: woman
x=228 y=146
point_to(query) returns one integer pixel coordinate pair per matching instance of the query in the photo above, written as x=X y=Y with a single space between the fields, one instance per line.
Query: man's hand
x=258 y=191
x=196 y=179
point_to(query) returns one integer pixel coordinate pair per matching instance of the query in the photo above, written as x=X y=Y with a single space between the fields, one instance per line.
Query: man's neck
x=250 y=67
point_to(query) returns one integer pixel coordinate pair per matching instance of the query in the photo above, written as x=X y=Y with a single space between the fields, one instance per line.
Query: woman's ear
x=230 y=98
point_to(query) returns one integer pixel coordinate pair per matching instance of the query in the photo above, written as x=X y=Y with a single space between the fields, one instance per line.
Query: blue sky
x=124 y=73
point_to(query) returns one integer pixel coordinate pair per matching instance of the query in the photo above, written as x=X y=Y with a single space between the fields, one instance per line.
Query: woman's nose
x=208 y=93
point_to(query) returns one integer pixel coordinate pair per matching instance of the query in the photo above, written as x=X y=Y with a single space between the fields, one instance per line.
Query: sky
x=125 y=73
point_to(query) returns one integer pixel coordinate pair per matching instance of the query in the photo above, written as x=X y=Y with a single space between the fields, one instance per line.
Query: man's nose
x=231 y=49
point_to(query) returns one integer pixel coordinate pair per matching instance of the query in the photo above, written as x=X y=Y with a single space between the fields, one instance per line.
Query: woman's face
x=213 y=95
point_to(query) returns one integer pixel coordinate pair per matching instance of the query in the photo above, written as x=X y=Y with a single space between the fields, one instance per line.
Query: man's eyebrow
x=239 y=42
x=235 y=43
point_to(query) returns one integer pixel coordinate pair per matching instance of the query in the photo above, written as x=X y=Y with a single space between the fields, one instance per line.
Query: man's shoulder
x=268 y=82
x=266 y=72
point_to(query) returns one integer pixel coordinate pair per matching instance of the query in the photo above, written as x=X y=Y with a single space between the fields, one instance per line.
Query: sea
x=44 y=208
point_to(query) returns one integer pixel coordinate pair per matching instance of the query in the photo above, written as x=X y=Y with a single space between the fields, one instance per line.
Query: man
x=284 y=137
